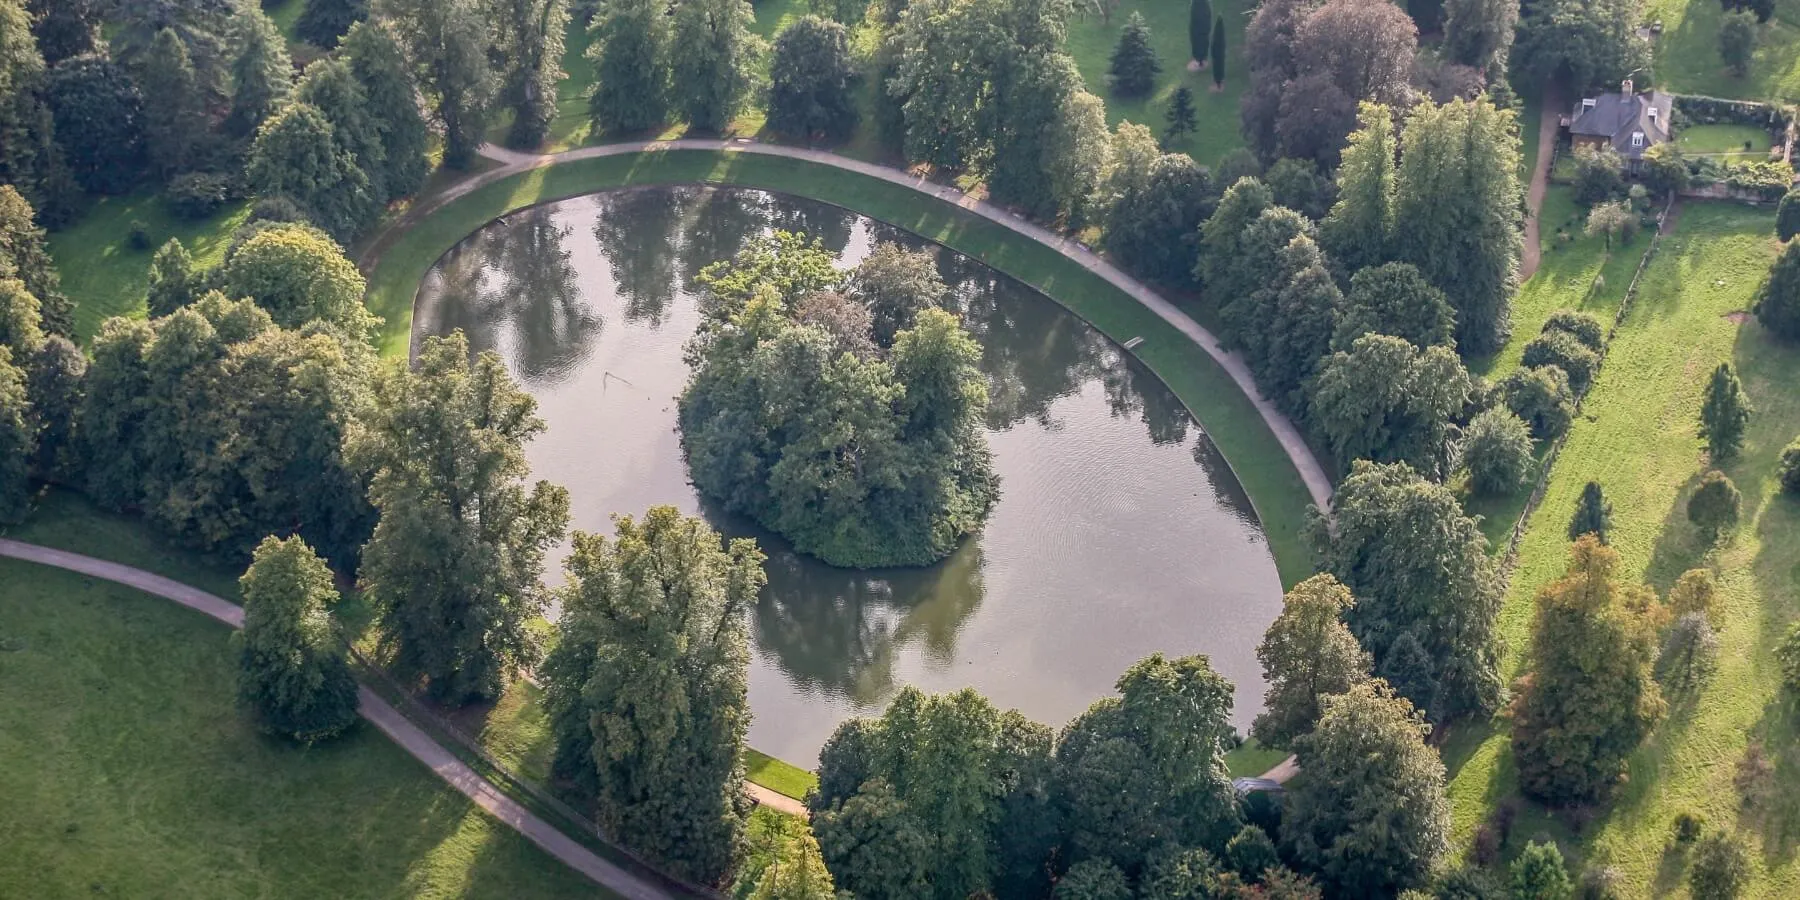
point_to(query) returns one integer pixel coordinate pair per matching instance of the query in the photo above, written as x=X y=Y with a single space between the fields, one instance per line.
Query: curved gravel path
x=379 y=712
x=512 y=162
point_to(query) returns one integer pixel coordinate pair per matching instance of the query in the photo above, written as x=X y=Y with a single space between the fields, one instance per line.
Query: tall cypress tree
x=174 y=112
x=1218 y=53
x=261 y=73
x=1200 y=18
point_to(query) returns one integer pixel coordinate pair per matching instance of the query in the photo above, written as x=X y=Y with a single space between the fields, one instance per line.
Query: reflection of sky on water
x=1109 y=541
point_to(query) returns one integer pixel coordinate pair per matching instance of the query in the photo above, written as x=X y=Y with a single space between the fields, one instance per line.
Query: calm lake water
x=1119 y=532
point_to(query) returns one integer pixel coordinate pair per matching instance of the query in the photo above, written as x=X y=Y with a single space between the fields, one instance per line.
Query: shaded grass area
x=131 y=772
x=1251 y=759
x=1230 y=420
x=1687 y=53
x=783 y=778
x=1637 y=438
x=106 y=276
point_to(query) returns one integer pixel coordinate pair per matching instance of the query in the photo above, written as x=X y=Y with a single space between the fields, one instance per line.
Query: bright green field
x=1231 y=421
x=1687 y=55
x=131 y=773
x=1636 y=437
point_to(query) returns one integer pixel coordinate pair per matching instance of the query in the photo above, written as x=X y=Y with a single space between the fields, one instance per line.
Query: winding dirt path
x=383 y=715
x=513 y=162
x=1540 y=181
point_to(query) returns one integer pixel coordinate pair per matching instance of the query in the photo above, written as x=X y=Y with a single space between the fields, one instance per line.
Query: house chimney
x=1625 y=87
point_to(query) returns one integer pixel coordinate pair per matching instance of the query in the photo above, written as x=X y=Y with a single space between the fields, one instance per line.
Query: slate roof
x=1616 y=116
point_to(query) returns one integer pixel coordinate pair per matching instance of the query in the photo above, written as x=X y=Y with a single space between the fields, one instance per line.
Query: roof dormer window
x=1637 y=139
x=1652 y=113
x=1587 y=103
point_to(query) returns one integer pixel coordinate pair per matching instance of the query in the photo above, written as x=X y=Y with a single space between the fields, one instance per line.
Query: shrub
x=1540 y=395
x=1694 y=592
x=1540 y=874
x=1566 y=352
x=1250 y=852
x=197 y=195
x=1686 y=828
x=1714 y=507
x=1584 y=327
x=1721 y=867
x=139 y=236
x=1496 y=448
x=1778 y=303
x=1790 y=467
x=1601 y=883
x=1599 y=175
x=1787 y=215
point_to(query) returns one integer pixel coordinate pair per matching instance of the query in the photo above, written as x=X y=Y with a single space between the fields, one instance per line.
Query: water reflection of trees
x=639 y=233
x=839 y=631
x=516 y=279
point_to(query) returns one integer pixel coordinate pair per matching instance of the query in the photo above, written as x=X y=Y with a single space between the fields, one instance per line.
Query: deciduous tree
x=330 y=86
x=810 y=79
x=17 y=442
x=390 y=93
x=1384 y=399
x=1737 y=41
x=1154 y=231
x=1496 y=449
x=1778 y=304
x=1721 y=867
x=1367 y=811
x=299 y=275
x=292 y=673
x=1456 y=213
x=1307 y=654
x=173 y=281
x=712 y=76
x=648 y=687
x=530 y=38
x=1146 y=768
x=1419 y=569
x=631 y=40
x=447 y=42
x=55 y=384
x=1586 y=44
x=1312 y=64
x=98 y=115
x=299 y=155
x=1590 y=698
x=453 y=569
x=1787 y=213
x=25 y=255
x=1394 y=299
x=1715 y=506
x=1479 y=33
x=1355 y=233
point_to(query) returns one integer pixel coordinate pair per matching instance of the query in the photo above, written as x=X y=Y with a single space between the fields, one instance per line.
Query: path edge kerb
x=513 y=163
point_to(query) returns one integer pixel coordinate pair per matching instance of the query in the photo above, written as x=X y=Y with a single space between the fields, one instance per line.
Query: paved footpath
x=513 y=162
x=383 y=715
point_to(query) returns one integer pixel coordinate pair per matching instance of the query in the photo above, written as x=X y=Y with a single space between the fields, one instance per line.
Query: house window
x=1637 y=139
x=1652 y=113
x=1588 y=103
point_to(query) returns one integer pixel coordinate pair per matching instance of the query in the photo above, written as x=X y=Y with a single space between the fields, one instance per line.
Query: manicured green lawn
x=106 y=276
x=130 y=771
x=1230 y=420
x=1698 y=140
x=1251 y=759
x=1091 y=42
x=783 y=778
x=1687 y=55
x=1636 y=437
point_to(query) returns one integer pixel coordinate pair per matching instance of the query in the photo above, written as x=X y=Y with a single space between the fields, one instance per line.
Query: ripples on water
x=1119 y=531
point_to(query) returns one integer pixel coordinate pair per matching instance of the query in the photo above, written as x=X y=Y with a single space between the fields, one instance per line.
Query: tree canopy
x=453 y=567
x=1590 y=698
x=861 y=459
x=647 y=689
x=810 y=79
x=1425 y=587
x=292 y=673
x=299 y=275
x=1307 y=654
